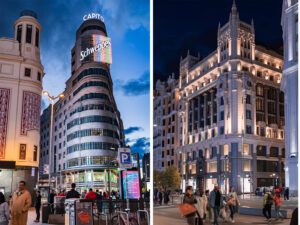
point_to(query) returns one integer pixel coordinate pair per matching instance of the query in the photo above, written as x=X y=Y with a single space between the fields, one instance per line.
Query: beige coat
x=201 y=205
x=19 y=206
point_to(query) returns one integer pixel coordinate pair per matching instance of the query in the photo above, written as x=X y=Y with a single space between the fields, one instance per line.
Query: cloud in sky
x=134 y=87
x=131 y=130
x=139 y=145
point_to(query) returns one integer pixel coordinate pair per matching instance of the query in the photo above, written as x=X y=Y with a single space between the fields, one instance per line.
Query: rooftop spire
x=233 y=8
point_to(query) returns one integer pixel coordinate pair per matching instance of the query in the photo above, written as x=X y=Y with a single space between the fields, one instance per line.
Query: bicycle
x=124 y=218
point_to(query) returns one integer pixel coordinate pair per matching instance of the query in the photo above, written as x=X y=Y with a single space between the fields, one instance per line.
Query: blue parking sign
x=125 y=158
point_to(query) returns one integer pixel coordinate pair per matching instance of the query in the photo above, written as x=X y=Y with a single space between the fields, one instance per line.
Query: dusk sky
x=180 y=25
x=128 y=26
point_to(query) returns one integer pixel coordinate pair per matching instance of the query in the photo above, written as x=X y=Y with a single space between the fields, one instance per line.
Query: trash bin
x=45 y=213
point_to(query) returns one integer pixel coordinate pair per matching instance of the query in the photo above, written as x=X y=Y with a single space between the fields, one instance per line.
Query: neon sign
x=93 y=16
x=101 y=49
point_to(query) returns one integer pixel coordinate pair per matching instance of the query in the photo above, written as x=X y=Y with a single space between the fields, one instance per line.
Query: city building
x=21 y=75
x=289 y=85
x=165 y=131
x=87 y=128
x=231 y=113
x=146 y=167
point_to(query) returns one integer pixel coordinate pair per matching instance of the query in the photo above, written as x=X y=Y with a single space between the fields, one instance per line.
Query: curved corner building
x=87 y=126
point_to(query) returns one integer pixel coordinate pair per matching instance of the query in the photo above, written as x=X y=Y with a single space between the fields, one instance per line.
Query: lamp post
x=51 y=99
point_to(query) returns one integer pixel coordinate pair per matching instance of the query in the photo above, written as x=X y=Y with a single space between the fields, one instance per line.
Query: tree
x=157 y=178
x=170 y=178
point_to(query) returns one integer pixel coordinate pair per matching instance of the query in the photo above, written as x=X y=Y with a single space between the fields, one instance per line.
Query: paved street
x=165 y=215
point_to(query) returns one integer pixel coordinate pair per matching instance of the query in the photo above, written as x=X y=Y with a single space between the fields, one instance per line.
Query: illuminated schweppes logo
x=93 y=16
x=100 y=49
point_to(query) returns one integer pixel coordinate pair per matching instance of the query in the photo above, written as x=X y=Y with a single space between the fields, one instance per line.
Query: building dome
x=28 y=12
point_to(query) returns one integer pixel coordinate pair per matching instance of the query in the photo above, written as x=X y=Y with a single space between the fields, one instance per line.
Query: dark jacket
x=73 y=194
x=38 y=202
x=51 y=198
x=190 y=200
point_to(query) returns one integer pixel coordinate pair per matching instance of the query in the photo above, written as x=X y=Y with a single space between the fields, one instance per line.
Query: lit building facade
x=87 y=127
x=165 y=131
x=21 y=74
x=289 y=85
x=231 y=114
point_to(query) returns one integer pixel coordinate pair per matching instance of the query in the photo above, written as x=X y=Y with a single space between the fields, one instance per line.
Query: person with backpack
x=278 y=202
x=267 y=202
x=233 y=203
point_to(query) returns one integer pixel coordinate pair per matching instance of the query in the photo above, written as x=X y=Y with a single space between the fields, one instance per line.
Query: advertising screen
x=133 y=184
x=96 y=48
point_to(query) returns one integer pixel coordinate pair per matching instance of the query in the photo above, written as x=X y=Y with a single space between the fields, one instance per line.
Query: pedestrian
x=189 y=198
x=155 y=195
x=73 y=193
x=215 y=201
x=166 y=197
x=233 y=203
x=51 y=200
x=268 y=202
x=287 y=194
x=20 y=204
x=160 y=197
x=4 y=210
x=37 y=206
x=99 y=201
x=83 y=193
x=278 y=202
x=201 y=205
x=91 y=195
x=209 y=210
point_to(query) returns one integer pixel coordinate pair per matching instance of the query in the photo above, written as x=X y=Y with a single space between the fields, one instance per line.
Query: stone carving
x=4 y=107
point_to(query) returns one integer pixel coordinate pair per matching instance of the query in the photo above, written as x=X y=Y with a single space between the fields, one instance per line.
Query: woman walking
x=189 y=198
x=278 y=202
x=4 y=210
x=232 y=202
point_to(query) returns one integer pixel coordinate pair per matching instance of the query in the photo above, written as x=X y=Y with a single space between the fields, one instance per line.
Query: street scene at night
x=225 y=130
x=74 y=112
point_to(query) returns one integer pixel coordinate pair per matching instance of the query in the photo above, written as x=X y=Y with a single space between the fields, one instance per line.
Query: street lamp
x=51 y=99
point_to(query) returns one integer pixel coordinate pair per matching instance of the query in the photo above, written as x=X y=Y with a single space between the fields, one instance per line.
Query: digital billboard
x=97 y=48
x=133 y=184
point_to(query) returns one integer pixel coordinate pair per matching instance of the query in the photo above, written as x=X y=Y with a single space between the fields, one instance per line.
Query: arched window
x=259 y=90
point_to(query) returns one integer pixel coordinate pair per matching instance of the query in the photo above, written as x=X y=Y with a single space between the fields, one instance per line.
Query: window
x=19 y=33
x=28 y=33
x=22 y=154
x=259 y=90
x=221 y=101
x=27 y=72
x=162 y=154
x=262 y=132
x=35 y=153
x=222 y=115
x=248 y=114
x=248 y=129
x=39 y=76
x=248 y=99
x=37 y=37
x=260 y=105
x=162 y=164
x=274 y=152
x=261 y=150
x=225 y=150
x=222 y=130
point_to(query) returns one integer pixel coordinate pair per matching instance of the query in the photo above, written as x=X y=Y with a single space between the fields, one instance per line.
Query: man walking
x=20 y=204
x=37 y=205
x=73 y=193
x=268 y=202
x=215 y=201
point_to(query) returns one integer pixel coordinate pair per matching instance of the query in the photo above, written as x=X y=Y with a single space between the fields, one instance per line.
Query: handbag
x=186 y=209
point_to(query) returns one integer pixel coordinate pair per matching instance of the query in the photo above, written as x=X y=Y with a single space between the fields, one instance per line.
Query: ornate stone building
x=289 y=85
x=231 y=113
x=21 y=74
x=165 y=131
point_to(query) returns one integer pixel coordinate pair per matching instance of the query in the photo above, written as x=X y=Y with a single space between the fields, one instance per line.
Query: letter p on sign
x=125 y=157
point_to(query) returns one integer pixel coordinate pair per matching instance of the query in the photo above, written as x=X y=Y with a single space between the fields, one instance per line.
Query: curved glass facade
x=92 y=119
x=93 y=132
x=92 y=146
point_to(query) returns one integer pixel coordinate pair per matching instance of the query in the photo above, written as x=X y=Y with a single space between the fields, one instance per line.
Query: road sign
x=124 y=158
